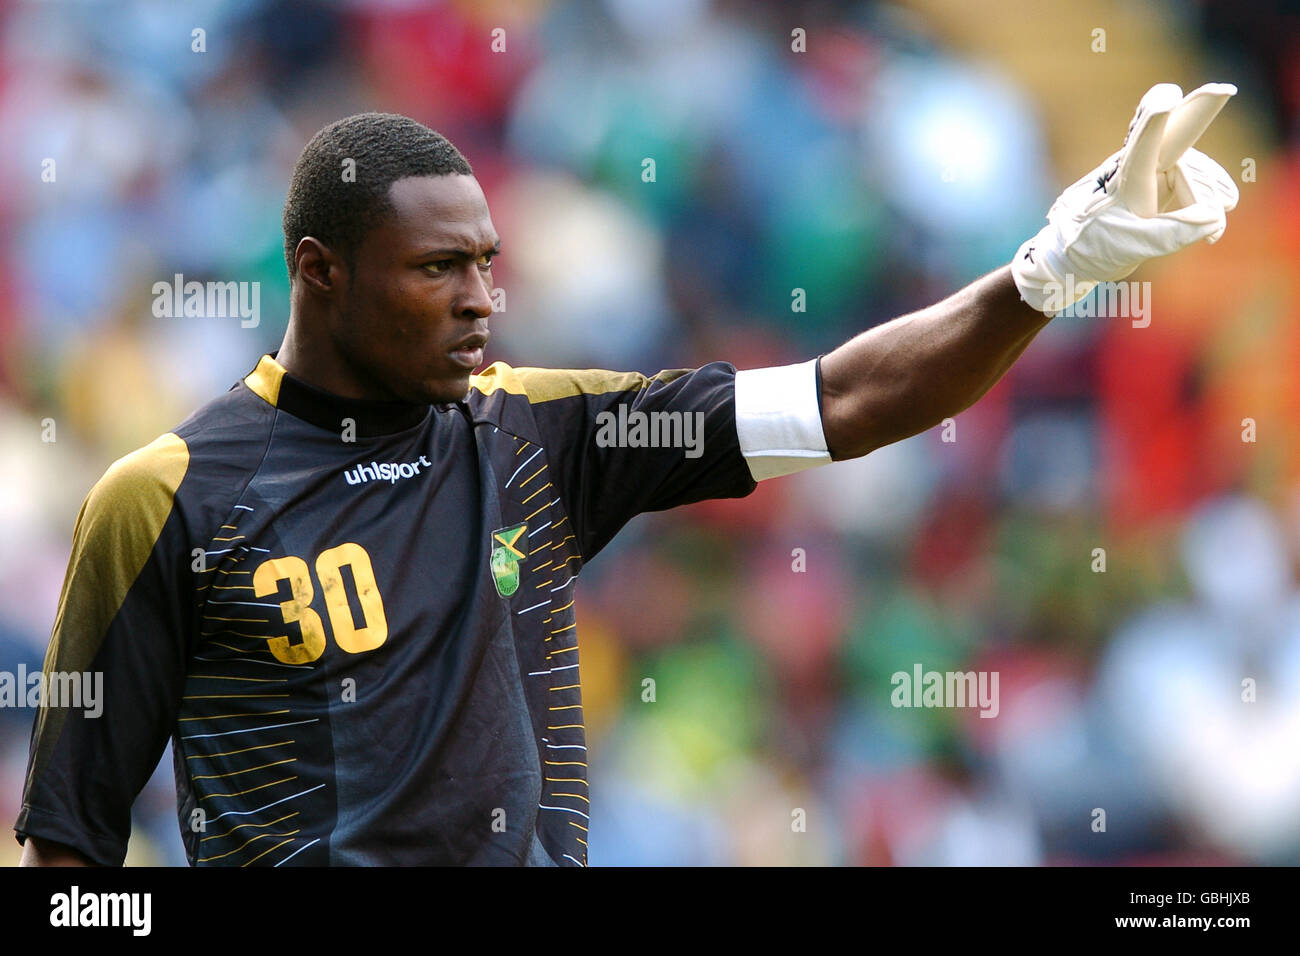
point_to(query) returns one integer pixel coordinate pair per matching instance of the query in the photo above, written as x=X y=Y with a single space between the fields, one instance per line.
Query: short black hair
x=338 y=202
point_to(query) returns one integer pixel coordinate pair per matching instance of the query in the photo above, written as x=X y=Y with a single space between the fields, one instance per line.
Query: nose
x=476 y=298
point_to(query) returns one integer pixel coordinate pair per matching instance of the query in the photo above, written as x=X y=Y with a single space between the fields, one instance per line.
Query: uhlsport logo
x=389 y=471
x=506 y=556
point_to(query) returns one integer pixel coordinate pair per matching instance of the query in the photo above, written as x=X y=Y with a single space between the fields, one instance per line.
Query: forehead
x=439 y=211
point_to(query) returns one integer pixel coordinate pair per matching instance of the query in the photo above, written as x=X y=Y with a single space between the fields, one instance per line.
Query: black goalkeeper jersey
x=355 y=620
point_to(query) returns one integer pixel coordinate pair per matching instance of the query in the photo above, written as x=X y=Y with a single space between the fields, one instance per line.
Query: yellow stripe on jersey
x=548 y=384
x=265 y=379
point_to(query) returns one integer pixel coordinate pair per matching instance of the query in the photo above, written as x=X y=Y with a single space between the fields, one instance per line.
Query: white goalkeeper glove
x=1155 y=196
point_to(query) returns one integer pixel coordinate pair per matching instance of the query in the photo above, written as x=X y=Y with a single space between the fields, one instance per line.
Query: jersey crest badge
x=506 y=556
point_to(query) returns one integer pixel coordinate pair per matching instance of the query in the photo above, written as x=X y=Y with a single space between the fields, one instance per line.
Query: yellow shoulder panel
x=117 y=528
x=116 y=531
x=547 y=384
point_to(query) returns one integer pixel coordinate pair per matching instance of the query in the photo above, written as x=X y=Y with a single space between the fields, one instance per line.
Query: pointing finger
x=1190 y=119
x=1136 y=175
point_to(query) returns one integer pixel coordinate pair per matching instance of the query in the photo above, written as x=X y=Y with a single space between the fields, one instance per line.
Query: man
x=345 y=589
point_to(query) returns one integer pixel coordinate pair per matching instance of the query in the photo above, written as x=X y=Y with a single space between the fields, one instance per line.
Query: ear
x=319 y=267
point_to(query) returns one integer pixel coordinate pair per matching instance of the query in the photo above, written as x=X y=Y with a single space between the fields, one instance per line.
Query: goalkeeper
x=345 y=588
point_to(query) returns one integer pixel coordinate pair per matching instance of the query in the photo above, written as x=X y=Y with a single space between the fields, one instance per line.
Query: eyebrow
x=461 y=252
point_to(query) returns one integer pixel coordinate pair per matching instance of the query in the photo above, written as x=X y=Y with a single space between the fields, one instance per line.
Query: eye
x=485 y=261
x=441 y=267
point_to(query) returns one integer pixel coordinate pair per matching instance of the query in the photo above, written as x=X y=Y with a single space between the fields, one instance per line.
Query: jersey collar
x=270 y=382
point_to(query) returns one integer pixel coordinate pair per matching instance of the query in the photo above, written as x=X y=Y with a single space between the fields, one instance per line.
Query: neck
x=355 y=417
x=311 y=359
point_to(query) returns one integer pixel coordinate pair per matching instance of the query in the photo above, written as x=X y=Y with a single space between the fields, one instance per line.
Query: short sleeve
x=624 y=443
x=114 y=670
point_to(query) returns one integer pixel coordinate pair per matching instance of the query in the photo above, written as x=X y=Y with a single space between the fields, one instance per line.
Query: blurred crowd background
x=907 y=148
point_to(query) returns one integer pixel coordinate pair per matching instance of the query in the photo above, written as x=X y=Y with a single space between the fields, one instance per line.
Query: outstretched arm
x=911 y=373
x=1154 y=196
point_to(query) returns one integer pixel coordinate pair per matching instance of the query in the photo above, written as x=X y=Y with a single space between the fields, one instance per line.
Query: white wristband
x=778 y=420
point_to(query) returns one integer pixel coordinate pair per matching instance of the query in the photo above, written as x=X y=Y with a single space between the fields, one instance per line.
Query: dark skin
x=41 y=852
x=910 y=373
x=421 y=284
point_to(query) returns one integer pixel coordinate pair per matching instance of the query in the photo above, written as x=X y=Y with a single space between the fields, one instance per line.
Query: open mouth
x=470 y=357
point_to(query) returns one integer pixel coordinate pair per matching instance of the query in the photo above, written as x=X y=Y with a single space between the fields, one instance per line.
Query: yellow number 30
x=329 y=565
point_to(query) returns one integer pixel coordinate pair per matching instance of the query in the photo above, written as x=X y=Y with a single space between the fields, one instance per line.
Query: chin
x=443 y=391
